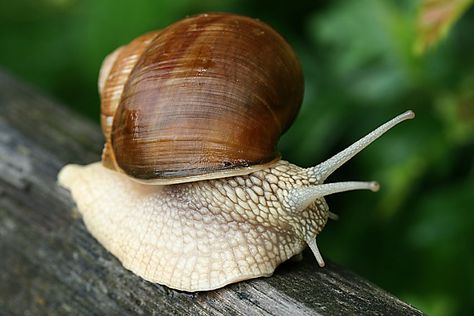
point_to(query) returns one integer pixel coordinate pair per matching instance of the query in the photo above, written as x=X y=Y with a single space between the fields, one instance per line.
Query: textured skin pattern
x=200 y=235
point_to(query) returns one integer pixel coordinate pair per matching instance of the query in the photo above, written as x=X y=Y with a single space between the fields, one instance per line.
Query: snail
x=191 y=192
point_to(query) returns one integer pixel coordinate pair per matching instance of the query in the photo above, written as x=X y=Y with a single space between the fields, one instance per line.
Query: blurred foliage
x=435 y=19
x=415 y=237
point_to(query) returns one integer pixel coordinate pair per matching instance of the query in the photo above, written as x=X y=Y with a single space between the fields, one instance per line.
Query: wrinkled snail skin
x=175 y=198
x=200 y=235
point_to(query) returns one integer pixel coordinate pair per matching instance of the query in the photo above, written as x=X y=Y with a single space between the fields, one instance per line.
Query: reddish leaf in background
x=435 y=19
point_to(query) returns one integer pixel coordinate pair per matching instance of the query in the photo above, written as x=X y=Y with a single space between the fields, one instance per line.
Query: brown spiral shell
x=209 y=96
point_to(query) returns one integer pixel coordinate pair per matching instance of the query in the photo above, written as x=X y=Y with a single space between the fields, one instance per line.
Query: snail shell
x=207 y=97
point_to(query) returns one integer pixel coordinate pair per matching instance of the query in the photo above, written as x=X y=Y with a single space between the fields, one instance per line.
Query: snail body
x=198 y=235
x=193 y=210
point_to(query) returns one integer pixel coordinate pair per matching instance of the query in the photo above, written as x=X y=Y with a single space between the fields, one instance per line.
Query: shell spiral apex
x=191 y=192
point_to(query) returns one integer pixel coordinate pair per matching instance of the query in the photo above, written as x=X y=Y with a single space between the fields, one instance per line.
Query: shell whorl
x=114 y=74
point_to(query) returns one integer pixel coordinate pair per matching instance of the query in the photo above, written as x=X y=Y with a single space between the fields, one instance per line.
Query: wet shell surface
x=209 y=96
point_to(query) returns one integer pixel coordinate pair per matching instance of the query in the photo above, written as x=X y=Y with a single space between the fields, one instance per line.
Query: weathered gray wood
x=49 y=264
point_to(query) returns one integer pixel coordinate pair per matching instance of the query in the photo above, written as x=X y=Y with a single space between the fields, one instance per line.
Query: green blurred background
x=364 y=61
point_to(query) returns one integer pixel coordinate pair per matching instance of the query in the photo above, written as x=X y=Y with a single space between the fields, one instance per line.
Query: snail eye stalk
x=321 y=172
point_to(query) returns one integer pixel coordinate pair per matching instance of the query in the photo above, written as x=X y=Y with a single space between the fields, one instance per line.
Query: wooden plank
x=49 y=264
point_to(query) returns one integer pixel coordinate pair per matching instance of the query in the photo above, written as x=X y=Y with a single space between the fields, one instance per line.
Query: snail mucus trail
x=176 y=104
